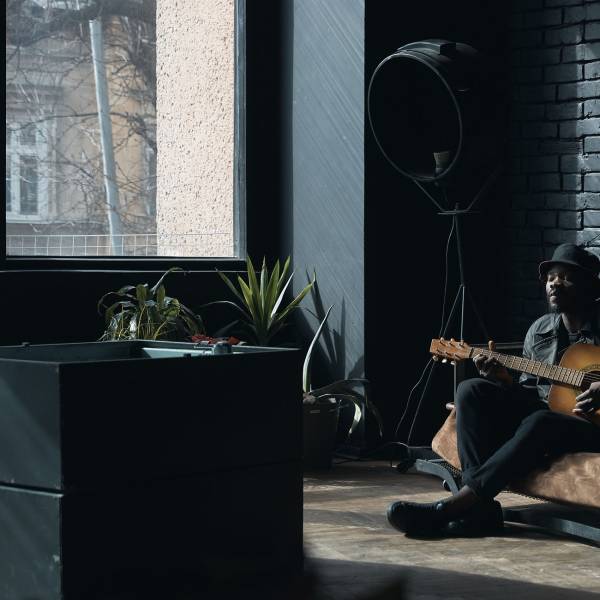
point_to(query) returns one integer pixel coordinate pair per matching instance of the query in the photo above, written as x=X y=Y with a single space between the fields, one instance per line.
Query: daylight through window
x=109 y=152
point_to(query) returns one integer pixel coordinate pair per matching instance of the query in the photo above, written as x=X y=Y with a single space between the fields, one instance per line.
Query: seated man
x=504 y=428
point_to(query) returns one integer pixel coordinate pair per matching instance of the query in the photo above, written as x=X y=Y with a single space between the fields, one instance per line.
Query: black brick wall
x=553 y=180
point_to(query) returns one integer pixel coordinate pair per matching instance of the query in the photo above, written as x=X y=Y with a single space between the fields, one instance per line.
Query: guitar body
x=582 y=357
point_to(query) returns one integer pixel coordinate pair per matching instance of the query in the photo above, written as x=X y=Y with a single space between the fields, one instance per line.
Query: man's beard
x=569 y=305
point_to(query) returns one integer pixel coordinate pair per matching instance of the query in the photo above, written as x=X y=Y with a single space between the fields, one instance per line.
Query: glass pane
x=132 y=182
x=28 y=185
x=28 y=135
x=8 y=187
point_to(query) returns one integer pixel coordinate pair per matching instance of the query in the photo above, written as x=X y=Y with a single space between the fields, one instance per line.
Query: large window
x=121 y=123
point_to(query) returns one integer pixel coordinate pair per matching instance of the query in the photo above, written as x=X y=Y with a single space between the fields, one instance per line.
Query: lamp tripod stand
x=460 y=301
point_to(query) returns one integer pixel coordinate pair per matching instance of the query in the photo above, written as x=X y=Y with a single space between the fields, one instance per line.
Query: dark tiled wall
x=554 y=149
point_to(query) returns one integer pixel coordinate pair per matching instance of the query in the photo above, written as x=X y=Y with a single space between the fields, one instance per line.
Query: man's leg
x=541 y=434
x=487 y=415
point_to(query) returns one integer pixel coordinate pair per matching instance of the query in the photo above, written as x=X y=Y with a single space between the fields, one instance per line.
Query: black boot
x=418 y=519
x=432 y=519
x=485 y=518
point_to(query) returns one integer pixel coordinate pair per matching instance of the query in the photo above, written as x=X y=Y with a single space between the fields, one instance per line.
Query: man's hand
x=589 y=401
x=490 y=368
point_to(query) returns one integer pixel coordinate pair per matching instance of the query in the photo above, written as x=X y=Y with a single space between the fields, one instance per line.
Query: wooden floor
x=355 y=554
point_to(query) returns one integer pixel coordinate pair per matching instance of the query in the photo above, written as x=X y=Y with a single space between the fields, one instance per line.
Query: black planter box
x=114 y=464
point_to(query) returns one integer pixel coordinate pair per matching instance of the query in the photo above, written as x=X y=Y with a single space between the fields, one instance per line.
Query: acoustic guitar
x=578 y=368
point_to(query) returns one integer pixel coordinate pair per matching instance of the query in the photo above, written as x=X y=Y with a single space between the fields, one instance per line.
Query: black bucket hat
x=574 y=256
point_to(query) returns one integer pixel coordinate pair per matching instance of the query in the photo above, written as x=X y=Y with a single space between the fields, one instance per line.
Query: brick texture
x=553 y=171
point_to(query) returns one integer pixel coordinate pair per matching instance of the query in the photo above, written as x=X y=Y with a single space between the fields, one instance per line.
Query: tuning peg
x=461 y=343
x=452 y=340
x=444 y=360
x=442 y=340
x=436 y=358
x=453 y=363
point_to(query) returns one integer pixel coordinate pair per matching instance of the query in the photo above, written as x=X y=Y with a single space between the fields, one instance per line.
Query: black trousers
x=503 y=434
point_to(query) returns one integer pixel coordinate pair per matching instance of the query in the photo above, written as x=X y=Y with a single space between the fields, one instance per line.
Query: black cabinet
x=117 y=468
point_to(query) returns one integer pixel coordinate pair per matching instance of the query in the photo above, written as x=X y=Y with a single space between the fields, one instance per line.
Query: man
x=504 y=427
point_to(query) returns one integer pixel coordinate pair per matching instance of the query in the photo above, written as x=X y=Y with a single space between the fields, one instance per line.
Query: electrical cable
x=409 y=399
x=446 y=279
x=423 y=373
x=430 y=361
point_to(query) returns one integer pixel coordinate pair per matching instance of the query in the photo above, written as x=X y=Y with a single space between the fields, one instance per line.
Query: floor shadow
x=349 y=580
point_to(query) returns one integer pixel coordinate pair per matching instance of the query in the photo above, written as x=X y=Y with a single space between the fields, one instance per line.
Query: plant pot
x=320 y=427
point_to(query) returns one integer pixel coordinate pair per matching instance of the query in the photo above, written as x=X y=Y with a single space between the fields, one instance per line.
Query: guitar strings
x=593 y=376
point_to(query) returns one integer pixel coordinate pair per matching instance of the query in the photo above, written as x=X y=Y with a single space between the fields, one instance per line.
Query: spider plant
x=260 y=300
x=144 y=312
x=339 y=391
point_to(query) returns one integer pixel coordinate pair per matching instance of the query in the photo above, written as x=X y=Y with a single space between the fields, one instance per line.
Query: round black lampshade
x=425 y=107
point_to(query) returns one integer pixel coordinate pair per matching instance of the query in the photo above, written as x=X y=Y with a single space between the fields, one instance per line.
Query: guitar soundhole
x=589 y=378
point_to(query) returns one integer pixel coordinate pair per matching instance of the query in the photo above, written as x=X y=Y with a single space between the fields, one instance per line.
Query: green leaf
x=249 y=301
x=141 y=293
x=231 y=286
x=198 y=323
x=345 y=386
x=284 y=272
x=271 y=293
x=252 y=282
x=133 y=327
x=224 y=331
x=191 y=325
x=294 y=303
x=255 y=292
x=246 y=314
x=173 y=308
x=160 y=296
x=280 y=297
x=264 y=275
x=159 y=282
x=101 y=301
x=306 y=383
x=124 y=290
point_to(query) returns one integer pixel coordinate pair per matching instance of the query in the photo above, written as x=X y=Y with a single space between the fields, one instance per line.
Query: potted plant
x=144 y=312
x=321 y=407
x=260 y=302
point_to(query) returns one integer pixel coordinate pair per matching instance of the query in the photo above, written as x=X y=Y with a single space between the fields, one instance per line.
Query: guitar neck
x=555 y=373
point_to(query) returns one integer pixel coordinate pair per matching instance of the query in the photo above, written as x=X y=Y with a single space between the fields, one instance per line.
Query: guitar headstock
x=449 y=350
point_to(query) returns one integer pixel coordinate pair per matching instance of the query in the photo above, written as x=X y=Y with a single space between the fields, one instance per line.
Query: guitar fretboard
x=556 y=373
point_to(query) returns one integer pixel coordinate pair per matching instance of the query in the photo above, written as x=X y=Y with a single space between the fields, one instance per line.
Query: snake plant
x=343 y=390
x=144 y=312
x=260 y=300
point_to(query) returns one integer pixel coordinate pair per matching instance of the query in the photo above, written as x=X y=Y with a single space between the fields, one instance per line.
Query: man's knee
x=473 y=392
x=541 y=420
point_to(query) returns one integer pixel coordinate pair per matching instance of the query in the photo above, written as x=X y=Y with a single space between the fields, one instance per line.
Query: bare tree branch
x=24 y=30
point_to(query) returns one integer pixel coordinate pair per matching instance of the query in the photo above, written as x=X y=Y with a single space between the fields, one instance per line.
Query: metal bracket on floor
x=556 y=518
x=414 y=453
x=440 y=468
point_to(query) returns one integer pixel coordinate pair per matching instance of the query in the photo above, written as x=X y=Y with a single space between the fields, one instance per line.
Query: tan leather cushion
x=572 y=478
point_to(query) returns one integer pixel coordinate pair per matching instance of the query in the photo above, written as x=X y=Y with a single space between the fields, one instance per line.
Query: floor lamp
x=428 y=109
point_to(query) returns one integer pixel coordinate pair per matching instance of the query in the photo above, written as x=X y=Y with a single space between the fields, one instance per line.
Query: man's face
x=564 y=288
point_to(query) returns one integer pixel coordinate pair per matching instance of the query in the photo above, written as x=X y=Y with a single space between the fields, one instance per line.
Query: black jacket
x=542 y=343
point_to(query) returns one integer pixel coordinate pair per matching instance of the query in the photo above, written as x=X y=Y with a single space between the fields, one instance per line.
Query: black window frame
x=260 y=241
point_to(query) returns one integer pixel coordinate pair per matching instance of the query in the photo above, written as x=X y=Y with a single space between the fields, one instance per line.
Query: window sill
x=105 y=264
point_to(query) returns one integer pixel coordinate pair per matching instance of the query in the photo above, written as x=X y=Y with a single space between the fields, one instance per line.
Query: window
x=28 y=180
x=8 y=193
x=26 y=190
x=111 y=152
